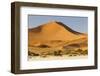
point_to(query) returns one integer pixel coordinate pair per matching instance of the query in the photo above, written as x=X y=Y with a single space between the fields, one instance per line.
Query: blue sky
x=79 y=24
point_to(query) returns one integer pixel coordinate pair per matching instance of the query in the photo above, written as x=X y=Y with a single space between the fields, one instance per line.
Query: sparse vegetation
x=32 y=54
x=44 y=52
x=58 y=53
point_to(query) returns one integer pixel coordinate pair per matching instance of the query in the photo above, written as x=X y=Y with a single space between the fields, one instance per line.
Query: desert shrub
x=58 y=53
x=32 y=54
x=29 y=53
x=35 y=54
x=55 y=53
x=85 y=52
x=70 y=55
x=79 y=50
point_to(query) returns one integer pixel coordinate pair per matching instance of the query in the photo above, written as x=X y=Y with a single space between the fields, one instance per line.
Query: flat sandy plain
x=64 y=57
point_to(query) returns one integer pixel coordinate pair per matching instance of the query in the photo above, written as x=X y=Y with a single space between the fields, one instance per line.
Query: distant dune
x=54 y=32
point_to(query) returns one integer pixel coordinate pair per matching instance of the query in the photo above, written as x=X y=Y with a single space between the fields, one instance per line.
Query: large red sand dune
x=53 y=31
